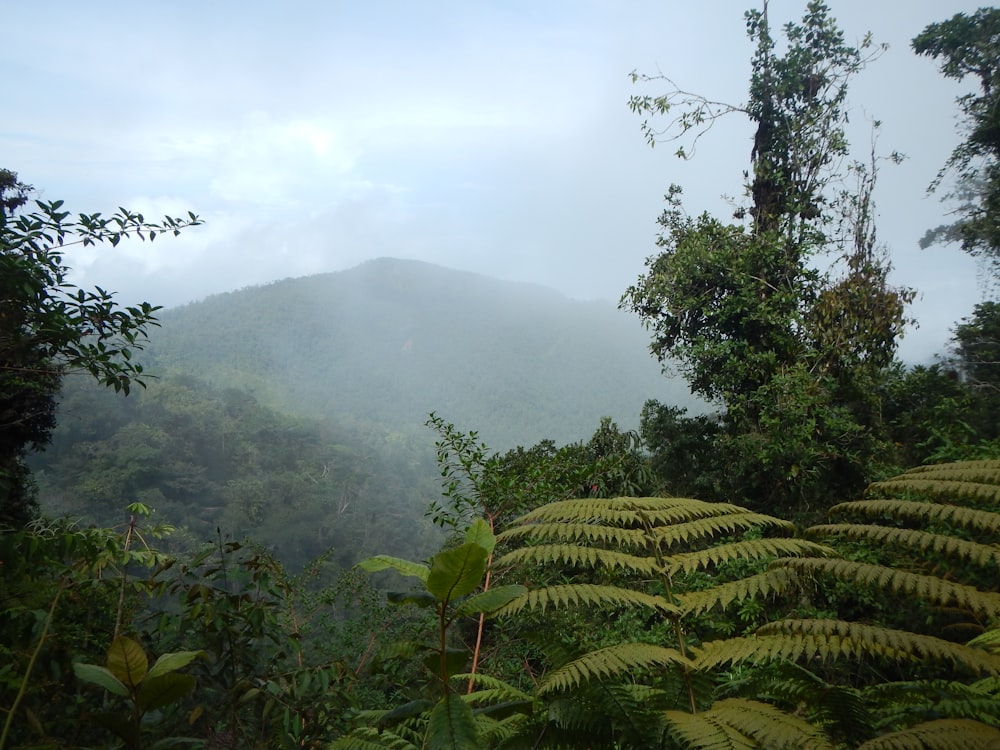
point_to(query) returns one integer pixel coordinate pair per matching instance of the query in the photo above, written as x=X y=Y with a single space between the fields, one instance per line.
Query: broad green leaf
x=163 y=690
x=172 y=662
x=457 y=572
x=127 y=661
x=480 y=533
x=118 y=724
x=489 y=601
x=100 y=676
x=451 y=726
x=387 y=562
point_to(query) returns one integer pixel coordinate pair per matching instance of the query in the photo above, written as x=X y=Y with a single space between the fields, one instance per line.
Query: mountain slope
x=392 y=340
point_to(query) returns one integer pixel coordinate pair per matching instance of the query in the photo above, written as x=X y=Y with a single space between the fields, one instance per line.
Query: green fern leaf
x=568 y=554
x=576 y=532
x=940 y=734
x=705 y=731
x=830 y=640
x=763 y=584
x=625 y=511
x=367 y=738
x=969 y=518
x=930 y=588
x=762 y=724
x=974 y=493
x=614 y=661
x=979 y=554
x=751 y=549
x=703 y=528
x=570 y=595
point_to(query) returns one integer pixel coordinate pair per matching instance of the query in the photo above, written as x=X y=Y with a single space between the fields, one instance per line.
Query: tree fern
x=928 y=587
x=741 y=723
x=977 y=521
x=577 y=556
x=922 y=541
x=939 y=734
x=615 y=661
x=753 y=549
x=828 y=640
x=764 y=584
x=585 y=594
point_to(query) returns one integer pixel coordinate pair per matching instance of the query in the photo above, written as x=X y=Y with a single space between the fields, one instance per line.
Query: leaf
x=163 y=690
x=420 y=598
x=100 y=676
x=456 y=572
x=451 y=726
x=480 y=533
x=455 y=660
x=172 y=662
x=386 y=562
x=127 y=661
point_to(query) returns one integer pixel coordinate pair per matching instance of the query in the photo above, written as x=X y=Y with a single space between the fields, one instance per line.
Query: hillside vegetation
x=390 y=341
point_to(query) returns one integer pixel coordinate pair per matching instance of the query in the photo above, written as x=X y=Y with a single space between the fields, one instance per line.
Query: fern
x=979 y=554
x=577 y=532
x=590 y=557
x=927 y=587
x=980 y=521
x=706 y=528
x=939 y=734
x=742 y=723
x=768 y=583
x=987 y=495
x=753 y=549
x=577 y=594
x=829 y=640
x=614 y=661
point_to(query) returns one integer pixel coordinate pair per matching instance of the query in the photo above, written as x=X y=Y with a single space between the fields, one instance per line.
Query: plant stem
x=31 y=665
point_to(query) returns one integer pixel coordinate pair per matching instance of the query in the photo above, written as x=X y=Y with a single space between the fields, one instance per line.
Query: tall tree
x=49 y=326
x=787 y=350
x=969 y=45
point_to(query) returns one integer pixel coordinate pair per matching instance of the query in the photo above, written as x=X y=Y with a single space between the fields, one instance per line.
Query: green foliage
x=144 y=688
x=50 y=326
x=966 y=45
x=790 y=353
x=448 y=586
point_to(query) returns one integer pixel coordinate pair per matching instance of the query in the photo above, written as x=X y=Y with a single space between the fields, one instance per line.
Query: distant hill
x=392 y=340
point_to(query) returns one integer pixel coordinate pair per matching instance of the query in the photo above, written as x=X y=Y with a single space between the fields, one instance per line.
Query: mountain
x=392 y=340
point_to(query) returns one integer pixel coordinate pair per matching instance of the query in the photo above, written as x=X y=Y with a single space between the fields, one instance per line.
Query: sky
x=486 y=136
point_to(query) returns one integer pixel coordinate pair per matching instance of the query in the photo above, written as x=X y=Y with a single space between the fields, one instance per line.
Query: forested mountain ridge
x=392 y=340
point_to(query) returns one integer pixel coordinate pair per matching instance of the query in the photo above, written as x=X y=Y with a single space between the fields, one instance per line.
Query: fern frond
x=576 y=532
x=763 y=584
x=613 y=661
x=969 y=518
x=715 y=525
x=575 y=594
x=367 y=738
x=765 y=725
x=986 y=471
x=939 y=734
x=570 y=554
x=489 y=688
x=751 y=549
x=978 y=554
x=974 y=493
x=930 y=588
x=897 y=702
x=828 y=640
x=624 y=511
x=706 y=731
x=990 y=640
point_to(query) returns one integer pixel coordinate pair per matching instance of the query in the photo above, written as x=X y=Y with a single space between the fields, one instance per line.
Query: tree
x=967 y=45
x=50 y=327
x=744 y=310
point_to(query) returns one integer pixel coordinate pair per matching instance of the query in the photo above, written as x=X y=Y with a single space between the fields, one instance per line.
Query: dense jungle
x=443 y=511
